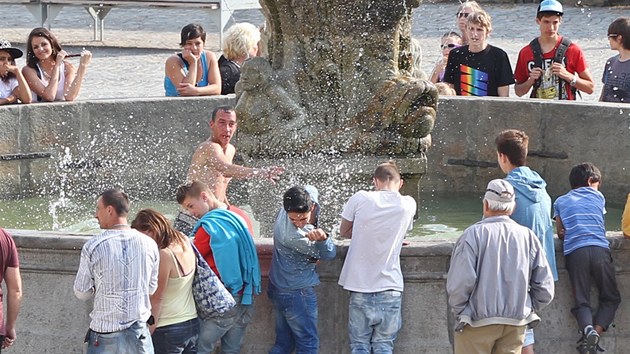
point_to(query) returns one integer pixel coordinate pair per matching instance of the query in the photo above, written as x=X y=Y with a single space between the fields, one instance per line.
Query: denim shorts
x=529 y=337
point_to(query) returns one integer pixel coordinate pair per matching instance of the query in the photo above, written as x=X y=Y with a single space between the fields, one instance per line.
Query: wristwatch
x=574 y=80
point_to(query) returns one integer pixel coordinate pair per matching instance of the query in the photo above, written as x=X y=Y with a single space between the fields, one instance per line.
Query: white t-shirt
x=6 y=88
x=380 y=221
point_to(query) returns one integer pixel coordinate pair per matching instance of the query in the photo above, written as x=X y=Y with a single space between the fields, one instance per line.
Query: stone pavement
x=130 y=60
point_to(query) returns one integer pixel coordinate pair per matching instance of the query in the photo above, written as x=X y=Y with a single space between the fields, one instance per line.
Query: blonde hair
x=444 y=89
x=469 y=5
x=481 y=18
x=239 y=39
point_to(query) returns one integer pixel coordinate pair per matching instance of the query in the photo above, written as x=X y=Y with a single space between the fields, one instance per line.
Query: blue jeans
x=228 y=327
x=374 y=321
x=178 y=338
x=133 y=340
x=295 y=313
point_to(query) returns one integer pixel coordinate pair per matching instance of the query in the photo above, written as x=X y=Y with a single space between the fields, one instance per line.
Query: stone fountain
x=334 y=96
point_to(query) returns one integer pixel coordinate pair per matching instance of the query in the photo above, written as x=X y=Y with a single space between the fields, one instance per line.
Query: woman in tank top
x=176 y=326
x=194 y=71
x=48 y=73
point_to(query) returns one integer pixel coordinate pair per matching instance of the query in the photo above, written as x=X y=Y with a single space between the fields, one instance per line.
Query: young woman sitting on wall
x=50 y=76
x=194 y=71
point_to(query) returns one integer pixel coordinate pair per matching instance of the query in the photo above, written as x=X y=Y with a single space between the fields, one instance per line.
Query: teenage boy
x=377 y=222
x=533 y=203
x=479 y=69
x=616 y=76
x=298 y=244
x=579 y=218
x=498 y=279
x=550 y=65
x=223 y=239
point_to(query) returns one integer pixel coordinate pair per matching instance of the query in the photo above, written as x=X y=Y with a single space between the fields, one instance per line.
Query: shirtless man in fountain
x=212 y=161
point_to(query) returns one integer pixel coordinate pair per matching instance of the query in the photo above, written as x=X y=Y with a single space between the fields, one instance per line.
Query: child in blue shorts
x=579 y=218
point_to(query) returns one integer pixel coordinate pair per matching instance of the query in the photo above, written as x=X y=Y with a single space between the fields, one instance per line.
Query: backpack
x=538 y=63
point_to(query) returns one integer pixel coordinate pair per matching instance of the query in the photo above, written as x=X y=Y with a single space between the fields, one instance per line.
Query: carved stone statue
x=335 y=81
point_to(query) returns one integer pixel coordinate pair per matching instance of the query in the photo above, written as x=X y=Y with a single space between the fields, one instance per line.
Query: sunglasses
x=450 y=45
x=462 y=14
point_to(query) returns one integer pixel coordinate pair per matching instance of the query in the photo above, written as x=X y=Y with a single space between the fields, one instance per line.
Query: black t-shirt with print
x=478 y=74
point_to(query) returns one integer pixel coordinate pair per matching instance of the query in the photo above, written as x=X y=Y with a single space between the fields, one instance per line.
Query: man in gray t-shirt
x=616 y=76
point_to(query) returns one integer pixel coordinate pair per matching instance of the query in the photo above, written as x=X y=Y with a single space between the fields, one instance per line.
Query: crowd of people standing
x=549 y=67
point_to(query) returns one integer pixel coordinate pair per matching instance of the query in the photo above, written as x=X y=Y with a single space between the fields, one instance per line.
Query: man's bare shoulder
x=208 y=147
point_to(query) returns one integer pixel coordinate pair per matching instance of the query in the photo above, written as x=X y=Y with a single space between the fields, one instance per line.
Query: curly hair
x=239 y=40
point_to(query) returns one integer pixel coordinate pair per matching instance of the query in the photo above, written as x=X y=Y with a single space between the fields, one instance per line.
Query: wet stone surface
x=130 y=61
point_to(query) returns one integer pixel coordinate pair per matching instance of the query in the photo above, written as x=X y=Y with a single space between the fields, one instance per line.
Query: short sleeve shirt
x=478 y=74
x=380 y=220
x=573 y=60
x=8 y=258
x=582 y=214
x=7 y=87
x=616 y=80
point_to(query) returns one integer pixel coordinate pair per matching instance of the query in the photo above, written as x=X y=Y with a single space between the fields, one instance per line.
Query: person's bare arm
x=521 y=88
x=74 y=77
x=345 y=230
x=584 y=80
x=22 y=92
x=174 y=70
x=157 y=297
x=503 y=91
x=210 y=156
x=13 y=281
x=214 y=80
x=560 y=228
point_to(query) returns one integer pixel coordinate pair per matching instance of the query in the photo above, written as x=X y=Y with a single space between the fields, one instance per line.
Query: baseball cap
x=6 y=45
x=500 y=190
x=551 y=6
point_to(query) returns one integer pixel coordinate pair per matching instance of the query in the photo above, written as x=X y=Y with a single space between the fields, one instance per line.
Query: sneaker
x=589 y=343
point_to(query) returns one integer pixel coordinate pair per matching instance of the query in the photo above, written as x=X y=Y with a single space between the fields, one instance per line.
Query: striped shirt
x=119 y=268
x=582 y=213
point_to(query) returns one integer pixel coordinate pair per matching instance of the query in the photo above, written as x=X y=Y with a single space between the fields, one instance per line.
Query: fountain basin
x=144 y=145
x=52 y=320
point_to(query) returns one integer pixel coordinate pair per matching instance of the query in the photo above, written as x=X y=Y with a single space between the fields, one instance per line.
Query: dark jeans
x=178 y=338
x=594 y=264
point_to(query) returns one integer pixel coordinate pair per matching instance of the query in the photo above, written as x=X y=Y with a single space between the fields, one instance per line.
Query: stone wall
x=145 y=144
x=561 y=135
x=53 y=321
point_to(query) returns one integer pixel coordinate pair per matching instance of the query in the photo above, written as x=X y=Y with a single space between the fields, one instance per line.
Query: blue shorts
x=529 y=337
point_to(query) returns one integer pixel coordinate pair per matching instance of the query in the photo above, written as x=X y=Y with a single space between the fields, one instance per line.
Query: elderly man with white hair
x=498 y=279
